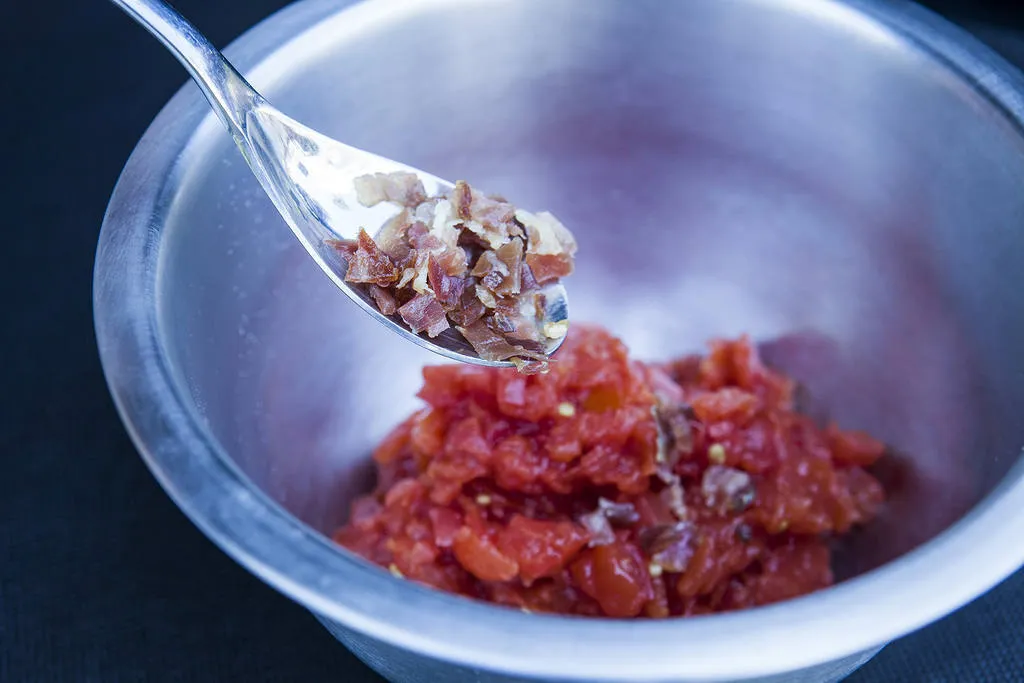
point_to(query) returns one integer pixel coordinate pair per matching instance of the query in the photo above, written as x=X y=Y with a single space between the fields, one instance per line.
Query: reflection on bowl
x=760 y=166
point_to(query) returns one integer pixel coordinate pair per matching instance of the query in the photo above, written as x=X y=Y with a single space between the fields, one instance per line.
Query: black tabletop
x=101 y=577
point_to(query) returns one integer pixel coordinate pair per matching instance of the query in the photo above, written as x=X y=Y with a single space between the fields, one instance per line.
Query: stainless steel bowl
x=854 y=170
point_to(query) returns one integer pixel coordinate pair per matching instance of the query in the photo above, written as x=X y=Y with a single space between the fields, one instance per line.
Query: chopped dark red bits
x=609 y=487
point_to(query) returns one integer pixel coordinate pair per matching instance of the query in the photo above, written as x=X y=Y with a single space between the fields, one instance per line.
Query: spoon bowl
x=310 y=177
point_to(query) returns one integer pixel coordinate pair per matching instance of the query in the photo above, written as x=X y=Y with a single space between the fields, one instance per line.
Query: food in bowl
x=612 y=487
x=466 y=260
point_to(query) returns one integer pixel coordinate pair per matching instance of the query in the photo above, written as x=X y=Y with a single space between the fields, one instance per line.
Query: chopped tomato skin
x=609 y=487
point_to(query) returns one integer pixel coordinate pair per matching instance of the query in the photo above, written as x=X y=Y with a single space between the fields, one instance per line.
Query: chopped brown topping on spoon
x=469 y=261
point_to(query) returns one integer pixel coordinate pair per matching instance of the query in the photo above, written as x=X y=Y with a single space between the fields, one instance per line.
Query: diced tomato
x=617 y=576
x=481 y=558
x=541 y=548
x=498 y=488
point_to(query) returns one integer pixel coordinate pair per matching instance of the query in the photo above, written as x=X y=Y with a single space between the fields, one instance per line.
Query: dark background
x=101 y=578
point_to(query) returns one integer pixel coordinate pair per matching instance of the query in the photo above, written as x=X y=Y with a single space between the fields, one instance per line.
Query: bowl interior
x=790 y=170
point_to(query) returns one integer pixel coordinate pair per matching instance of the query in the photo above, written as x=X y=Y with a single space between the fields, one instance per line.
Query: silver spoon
x=308 y=176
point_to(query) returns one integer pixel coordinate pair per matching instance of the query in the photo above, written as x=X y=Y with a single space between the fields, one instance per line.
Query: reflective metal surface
x=308 y=176
x=849 y=173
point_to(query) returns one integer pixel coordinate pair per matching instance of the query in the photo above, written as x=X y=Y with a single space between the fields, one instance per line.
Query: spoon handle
x=230 y=95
